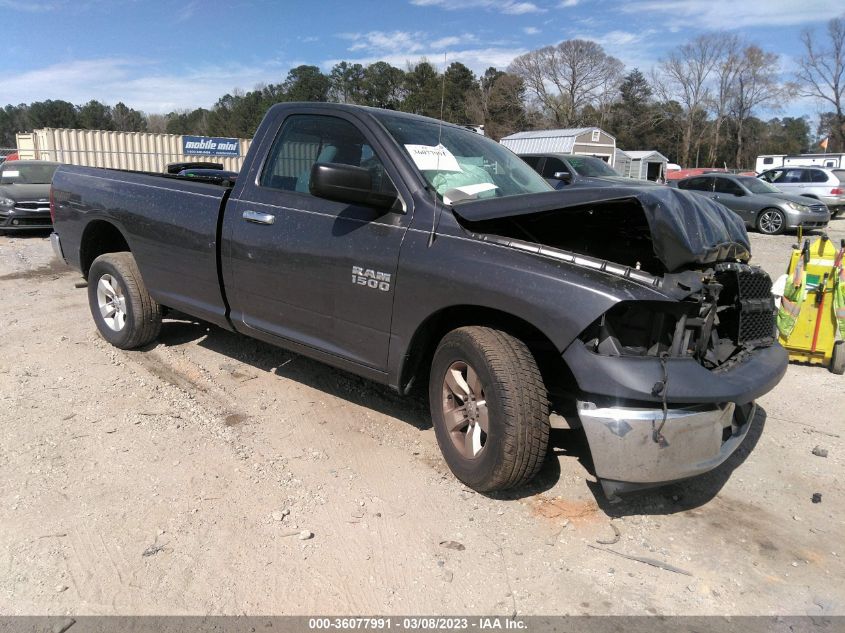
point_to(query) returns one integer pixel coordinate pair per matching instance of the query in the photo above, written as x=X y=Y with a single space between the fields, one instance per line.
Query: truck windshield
x=26 y=174
x=460 y=164
x=589 y=166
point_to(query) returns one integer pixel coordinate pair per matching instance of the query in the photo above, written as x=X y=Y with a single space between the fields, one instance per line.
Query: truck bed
x=171 y=225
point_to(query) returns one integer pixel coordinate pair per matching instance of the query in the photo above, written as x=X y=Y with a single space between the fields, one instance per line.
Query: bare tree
x=756 y=85
x=156 y=123
x=821 y=73
x=729 y=54
x=683 y=77
x=567 y=77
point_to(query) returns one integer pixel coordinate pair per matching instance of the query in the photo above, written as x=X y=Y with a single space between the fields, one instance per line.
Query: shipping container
x=137 y=151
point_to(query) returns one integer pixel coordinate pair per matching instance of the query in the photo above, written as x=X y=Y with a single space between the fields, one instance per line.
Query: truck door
x=310 y=270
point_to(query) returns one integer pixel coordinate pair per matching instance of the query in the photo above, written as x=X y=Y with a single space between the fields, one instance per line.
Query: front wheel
x=771 y=222
x=489 y=408
x=125 y=314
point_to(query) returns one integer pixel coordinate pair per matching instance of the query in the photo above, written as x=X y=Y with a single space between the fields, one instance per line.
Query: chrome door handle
x=259 y=218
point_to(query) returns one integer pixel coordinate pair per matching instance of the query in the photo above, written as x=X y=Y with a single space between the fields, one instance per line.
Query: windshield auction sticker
x=433 y=157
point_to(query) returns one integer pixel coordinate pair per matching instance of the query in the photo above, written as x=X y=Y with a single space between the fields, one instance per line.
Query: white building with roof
x=585 y=141
x=647 y=165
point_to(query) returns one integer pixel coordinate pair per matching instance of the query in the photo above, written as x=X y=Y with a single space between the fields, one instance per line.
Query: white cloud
x=530 y=30
x=729 y=14
x=509 y=7
x=476 y=59
x=386 y=41
x=445 y=42
x=28 y=7
x=140 y=84
x=565 y=4
x=404 y=42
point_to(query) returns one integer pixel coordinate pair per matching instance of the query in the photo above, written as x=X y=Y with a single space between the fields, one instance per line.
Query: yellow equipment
x=812 y=338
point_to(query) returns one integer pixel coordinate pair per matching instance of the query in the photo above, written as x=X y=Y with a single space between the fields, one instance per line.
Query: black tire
x=771 y=221
x=517 y=407
x=837 y=360
x=142 y=315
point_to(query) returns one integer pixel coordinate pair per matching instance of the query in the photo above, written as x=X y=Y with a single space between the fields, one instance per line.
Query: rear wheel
x=771 y=222
x=125 y=314
x=489 y=408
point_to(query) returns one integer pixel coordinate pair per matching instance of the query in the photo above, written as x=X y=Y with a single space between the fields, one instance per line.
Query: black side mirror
x=347 y=183
x=564 y=176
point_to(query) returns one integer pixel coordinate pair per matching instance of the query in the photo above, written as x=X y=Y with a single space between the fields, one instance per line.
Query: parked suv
x=758 y=203
x=822 y=184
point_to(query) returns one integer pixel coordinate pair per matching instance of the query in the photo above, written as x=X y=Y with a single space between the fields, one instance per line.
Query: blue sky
x=161 y=56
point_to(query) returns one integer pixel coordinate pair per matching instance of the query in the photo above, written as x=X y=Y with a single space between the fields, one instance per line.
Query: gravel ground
x=213 y=474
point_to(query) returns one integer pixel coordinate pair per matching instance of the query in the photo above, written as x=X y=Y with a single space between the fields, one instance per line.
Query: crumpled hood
x=686 y=229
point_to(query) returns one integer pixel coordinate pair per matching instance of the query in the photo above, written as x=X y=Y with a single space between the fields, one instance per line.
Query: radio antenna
x=435 y=216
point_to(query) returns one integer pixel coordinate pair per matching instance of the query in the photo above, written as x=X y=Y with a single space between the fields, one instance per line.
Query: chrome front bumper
x=696 y=440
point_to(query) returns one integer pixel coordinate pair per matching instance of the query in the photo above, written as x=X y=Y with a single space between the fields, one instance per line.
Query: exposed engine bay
x=722 y=307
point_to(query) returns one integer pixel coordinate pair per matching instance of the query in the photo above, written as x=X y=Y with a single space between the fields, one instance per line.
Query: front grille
x=818 y=208
x=748 y=314
x=33 y=206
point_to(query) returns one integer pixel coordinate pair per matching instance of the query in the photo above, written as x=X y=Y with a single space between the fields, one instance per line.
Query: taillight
x=52 y=207
x=837 y=191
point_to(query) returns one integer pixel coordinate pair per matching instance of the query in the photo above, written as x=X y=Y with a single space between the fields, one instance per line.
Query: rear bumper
x=627 y=456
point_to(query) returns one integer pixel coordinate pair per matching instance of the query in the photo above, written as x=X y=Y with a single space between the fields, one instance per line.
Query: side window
x=533 y=161
x=698 y=184
x=817 y=176
x=768 y=161
x=308 y=139
x=725 y=185
x=789 y=176
x=553 y=166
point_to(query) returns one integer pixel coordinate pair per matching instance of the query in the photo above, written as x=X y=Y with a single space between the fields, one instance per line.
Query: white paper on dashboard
x=433 y=157
x=11 y=174
x=466 y=192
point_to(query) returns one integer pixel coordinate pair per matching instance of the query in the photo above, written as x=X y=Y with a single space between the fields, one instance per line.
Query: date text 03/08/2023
x=416 y=623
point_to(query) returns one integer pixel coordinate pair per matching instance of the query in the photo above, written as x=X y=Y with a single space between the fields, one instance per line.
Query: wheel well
x=809 y=195
x=428 y=335
x=100 y=237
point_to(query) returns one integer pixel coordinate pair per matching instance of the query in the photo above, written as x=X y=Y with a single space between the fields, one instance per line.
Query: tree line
x=699 y=105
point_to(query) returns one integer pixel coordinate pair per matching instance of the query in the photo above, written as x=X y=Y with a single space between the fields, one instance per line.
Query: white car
x=825 y=185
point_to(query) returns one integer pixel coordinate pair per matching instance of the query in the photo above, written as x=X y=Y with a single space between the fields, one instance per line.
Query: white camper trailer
x=770 y=161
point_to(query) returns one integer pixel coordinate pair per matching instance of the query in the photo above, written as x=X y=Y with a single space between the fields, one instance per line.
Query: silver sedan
x=761 y=205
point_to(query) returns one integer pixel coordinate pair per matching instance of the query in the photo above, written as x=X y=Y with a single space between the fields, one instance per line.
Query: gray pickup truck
x=411 y=251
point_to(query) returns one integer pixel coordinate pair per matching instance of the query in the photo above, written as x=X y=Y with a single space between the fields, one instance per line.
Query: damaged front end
x=667 y=388
x=664 y=388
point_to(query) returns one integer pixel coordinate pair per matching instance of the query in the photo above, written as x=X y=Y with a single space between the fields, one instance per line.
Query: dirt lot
x=178 y=479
